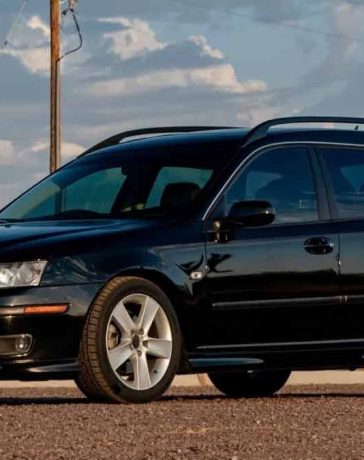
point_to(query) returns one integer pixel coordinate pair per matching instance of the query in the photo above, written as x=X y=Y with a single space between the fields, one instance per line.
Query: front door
x=276 y=284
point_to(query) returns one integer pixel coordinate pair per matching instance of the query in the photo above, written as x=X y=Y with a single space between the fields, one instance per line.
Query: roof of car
x=219 y=135
x=263 y=133
x=232 y=136
x=237 y=136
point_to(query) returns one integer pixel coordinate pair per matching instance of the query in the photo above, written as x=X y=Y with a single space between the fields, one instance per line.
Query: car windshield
x=130 y=183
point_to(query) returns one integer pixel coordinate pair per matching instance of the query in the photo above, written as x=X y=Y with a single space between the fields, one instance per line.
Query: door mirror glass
x=251 y=213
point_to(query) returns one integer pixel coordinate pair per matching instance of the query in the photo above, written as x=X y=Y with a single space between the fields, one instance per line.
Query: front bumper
x=56 y=338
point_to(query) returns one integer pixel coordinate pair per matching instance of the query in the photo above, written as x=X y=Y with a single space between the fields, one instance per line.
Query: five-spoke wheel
x=139 y=341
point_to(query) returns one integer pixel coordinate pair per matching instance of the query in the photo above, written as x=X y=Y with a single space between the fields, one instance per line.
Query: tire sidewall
x=120 y=390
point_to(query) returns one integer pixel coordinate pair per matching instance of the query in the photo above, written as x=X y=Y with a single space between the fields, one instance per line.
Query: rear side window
x=284 y=177
x=346 y=169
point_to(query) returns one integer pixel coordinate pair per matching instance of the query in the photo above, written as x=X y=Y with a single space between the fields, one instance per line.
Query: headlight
x=21 y=274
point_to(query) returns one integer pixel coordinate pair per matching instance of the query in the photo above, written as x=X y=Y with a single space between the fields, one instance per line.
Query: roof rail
x=117 y=138
x=260 y=131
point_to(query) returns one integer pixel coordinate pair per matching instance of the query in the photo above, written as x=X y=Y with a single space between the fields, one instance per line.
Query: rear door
x=344 y=167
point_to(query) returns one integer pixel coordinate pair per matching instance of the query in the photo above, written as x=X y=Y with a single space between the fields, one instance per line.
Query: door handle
x=319 y=245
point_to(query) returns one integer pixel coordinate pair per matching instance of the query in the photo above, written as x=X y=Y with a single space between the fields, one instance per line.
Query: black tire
x=87 y=388
x=96 y=379
x=249 y=384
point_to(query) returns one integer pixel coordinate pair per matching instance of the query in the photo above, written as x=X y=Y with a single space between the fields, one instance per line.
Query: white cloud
x=220 y=78
x=189 y=72
x=252 y=116
x=7 y=152
x=206 y=49
x=156 y=66
x=134 y=39
x=35 y=57
x=71 y=150
x=36 y=23
x=348 y=21
x=40 y=148
x=36 y=60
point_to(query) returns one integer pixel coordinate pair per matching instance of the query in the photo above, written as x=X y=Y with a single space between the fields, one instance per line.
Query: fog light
x=23 y=343
x=15 y=345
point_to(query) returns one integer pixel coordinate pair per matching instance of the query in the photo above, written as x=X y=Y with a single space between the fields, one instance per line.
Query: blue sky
x=165 y=62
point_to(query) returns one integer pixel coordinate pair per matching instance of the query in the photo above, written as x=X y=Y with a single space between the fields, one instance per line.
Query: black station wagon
x=235 y=252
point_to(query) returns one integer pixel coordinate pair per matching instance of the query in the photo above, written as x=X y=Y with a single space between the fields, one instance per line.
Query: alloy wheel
x=139 y=341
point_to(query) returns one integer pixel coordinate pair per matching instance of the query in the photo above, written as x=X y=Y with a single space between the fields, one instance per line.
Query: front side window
x=283 y=177
x=131 y=183
x=346 y=169
x=169 y=177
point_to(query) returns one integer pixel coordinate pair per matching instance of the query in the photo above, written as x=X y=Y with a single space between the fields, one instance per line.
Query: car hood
x=42 y=233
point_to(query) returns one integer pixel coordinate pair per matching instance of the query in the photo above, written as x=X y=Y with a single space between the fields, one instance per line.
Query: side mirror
x=251 y=213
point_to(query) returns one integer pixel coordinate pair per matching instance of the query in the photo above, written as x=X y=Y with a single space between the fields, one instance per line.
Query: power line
x=14 y=24
x=273 y=21
x=71 y=9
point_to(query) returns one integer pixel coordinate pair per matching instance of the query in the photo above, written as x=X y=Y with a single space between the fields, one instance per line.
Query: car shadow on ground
x=279 y=396
x=320 y=395
x=41 y=400
x=60 y=400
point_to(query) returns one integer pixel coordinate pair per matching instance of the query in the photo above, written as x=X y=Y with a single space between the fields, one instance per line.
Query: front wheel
x=131 y=344
x=249 y=384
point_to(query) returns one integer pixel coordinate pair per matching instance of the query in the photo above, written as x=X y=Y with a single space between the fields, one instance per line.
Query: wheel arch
x=171 y=291
x=158 y=278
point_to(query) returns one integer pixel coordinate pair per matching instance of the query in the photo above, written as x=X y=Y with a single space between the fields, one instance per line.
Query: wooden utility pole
x=55 y=107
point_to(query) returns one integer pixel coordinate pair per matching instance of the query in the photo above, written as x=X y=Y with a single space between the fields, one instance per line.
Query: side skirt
x=350 y=356
x=226 y=364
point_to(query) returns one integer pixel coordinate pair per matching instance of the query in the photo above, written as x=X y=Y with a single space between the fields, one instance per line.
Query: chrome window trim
x=254 y=152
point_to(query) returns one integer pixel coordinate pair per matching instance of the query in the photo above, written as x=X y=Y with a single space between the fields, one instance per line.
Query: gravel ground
x=307 y=422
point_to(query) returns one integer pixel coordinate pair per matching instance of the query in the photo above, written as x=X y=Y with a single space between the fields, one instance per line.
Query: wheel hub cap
x=136 y=341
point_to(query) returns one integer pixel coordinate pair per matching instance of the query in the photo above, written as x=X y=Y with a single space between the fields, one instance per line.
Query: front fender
x=169 y=264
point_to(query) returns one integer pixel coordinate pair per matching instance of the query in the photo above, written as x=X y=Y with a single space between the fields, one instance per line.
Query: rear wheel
x=131 y=344
x=245 y=384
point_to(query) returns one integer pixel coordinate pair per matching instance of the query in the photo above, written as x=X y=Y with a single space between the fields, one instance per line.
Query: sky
x=172 y=62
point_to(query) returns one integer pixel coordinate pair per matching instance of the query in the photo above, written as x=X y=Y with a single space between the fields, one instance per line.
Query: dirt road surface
x=302 y=422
